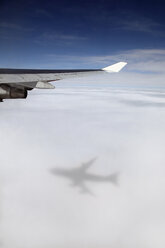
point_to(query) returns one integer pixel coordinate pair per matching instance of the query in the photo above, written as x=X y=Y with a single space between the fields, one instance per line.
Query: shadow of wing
x=85 y=189
x=86 y=165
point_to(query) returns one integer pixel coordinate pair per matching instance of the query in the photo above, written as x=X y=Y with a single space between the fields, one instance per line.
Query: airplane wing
x=15 y=83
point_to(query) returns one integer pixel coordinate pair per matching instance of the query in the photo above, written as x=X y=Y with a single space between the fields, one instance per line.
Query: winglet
x=115 y=67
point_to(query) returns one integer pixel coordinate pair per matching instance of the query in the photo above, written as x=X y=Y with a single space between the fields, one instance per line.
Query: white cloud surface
x=120 y=120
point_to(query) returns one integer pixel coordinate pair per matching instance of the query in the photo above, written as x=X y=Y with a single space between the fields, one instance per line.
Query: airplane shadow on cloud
x=79 y=176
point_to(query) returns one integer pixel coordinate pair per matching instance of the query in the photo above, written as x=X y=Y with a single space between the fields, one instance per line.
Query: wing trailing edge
x=44 y=85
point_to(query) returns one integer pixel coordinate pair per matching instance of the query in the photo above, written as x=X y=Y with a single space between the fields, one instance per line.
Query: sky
x=66 y=34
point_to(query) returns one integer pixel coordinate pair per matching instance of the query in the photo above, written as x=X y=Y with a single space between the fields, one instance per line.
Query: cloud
x=45 y=13
x=140 y=24
x=10 y=25
x=14 y=26
x=139 y=60
x=64 y=128
x=65 y=37
x=125 y=20
x=59 y=38
x=142 y=60
x=137 y=23
x=118 y=118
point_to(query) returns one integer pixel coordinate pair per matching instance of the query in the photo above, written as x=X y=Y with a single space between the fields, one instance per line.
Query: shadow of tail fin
x=113 y=178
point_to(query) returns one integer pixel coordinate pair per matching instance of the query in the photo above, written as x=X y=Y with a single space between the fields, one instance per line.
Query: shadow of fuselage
x=79 y=176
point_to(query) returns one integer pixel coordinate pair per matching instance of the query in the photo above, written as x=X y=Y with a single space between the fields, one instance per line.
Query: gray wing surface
x=39 y=78
x=14 y=83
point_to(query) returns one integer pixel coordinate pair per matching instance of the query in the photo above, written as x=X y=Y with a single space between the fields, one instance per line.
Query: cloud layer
x=120 y=123
x=118 y=118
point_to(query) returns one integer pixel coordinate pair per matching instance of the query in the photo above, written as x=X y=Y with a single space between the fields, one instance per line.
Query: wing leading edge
x=14 y=83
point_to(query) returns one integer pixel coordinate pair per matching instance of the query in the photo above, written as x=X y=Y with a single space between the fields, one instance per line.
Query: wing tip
x=115 y=67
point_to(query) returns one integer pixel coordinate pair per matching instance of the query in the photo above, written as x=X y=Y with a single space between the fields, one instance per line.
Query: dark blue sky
x=56 y=34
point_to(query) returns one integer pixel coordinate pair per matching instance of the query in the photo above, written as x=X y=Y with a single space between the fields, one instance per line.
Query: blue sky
x=61 y=34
